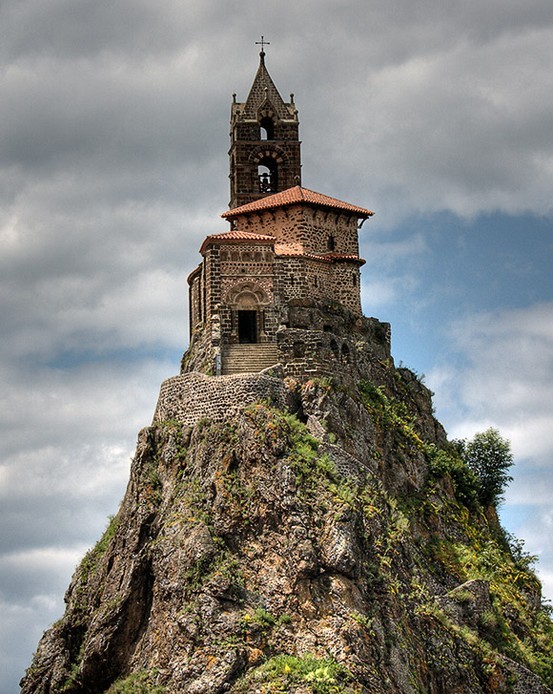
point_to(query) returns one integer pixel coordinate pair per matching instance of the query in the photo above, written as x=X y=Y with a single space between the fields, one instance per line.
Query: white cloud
x=505 y=379
x=510 y=373
x=27 y=606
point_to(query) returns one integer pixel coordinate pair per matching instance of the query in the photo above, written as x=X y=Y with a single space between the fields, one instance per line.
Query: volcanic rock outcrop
x=320 y=538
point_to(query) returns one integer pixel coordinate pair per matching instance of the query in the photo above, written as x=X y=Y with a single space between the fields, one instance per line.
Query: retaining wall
x=193 y=396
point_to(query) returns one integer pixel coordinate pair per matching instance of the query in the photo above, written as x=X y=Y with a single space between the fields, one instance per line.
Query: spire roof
x=263 y=90
x=295 y=196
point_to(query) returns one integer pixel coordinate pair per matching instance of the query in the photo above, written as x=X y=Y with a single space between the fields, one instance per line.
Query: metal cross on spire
x=262 y=43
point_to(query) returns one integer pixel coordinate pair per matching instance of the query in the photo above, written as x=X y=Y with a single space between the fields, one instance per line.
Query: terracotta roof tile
x=326 y=257
x=344 y=256
x=235 y=235
x=293 y=196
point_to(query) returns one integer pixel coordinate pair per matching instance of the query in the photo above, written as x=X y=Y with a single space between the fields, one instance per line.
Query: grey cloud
x=88 y=29
x=113 y=167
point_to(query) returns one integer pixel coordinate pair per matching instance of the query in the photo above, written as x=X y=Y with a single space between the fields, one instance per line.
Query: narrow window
x=266 y=129
x=330 y=243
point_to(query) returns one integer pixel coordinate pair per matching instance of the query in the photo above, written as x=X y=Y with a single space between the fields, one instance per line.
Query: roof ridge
x=240 y=232
x=296 y=194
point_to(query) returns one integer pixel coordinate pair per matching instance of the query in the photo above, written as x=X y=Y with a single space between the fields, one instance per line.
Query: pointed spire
x=262 y=90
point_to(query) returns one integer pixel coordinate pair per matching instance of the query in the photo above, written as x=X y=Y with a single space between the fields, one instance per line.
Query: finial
x=234 y=98
x=262 y=43
x=291 y=98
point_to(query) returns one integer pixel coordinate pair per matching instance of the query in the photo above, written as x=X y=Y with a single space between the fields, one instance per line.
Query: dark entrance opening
x=247 y=327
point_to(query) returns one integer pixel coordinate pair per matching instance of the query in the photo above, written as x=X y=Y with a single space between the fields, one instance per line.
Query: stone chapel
x=282 y=286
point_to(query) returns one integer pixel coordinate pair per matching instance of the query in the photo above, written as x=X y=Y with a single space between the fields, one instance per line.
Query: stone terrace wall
x=192 y=396
x=315 y=353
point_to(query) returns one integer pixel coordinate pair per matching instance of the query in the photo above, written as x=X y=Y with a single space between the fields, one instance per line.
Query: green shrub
x=489 y=457
x=465 y=482
x=90 y=561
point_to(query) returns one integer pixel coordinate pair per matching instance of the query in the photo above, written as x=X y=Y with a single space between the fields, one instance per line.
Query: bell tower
x=265 y=146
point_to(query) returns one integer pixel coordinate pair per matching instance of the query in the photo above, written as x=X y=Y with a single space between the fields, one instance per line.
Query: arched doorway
x=247 y=301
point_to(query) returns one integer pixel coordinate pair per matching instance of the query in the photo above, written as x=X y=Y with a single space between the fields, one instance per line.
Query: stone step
x=248 y=358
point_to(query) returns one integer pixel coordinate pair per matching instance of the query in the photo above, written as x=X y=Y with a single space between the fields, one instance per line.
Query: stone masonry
x=194 y=396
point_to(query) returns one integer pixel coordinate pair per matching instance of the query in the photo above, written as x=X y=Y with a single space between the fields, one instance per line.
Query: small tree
x=489 y=456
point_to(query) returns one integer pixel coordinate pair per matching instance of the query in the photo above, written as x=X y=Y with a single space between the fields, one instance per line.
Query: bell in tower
x=265 y=146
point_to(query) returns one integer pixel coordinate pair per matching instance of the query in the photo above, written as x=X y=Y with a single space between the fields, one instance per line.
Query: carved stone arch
x=269 y=151
x=267 y=162
x=246 y=296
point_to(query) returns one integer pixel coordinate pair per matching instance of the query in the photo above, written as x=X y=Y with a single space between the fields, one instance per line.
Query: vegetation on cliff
x=344 y=546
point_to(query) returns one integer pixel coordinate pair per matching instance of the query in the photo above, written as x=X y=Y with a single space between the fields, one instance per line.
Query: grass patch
x=284 y=673
x=89 y=563
x=142 y=682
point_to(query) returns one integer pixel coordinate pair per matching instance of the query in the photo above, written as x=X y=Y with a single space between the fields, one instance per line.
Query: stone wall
x=302 y=229
x=319 y=280
x=193 y=396
x=318 y=351
x=313 y=339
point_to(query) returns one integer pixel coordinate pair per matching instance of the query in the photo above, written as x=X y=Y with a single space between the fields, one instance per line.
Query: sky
x=436 y=114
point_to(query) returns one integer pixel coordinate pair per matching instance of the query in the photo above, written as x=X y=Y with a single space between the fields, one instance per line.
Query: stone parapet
x=193 y=396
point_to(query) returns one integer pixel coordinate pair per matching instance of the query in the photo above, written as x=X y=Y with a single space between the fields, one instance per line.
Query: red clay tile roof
x=235 y=235
x=293 y=196
x=325 y=257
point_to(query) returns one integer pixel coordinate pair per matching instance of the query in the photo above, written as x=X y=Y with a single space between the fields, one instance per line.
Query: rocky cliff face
x=330 y=545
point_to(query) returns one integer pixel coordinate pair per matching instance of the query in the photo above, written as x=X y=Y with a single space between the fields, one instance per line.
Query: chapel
x=282 y=285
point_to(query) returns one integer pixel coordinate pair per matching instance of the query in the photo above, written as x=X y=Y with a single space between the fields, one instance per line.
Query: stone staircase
x=239 y=359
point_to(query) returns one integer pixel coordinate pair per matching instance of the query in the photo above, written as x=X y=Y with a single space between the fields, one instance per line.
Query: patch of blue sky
x=73 y=359
x=460 y=268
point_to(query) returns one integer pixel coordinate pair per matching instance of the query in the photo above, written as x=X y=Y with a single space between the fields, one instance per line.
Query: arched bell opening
x=267 y=173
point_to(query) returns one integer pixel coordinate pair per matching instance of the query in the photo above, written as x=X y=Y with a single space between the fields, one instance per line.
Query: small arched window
x=266 y=128
x=331 y=243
